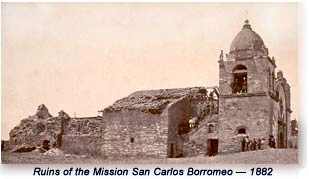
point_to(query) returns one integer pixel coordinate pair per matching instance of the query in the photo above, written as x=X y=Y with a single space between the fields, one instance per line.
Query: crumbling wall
x=178 y=113
x=33 y=132
x=83 y=136
x=42 y=126
x=85 y=126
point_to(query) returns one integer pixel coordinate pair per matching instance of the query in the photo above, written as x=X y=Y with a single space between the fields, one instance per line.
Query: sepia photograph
x=150 y=83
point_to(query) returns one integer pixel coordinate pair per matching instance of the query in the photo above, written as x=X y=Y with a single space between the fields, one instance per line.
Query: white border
x=282 y=172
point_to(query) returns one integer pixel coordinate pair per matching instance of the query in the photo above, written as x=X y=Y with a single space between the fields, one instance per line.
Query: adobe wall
x=251 y=112
x=132 y=133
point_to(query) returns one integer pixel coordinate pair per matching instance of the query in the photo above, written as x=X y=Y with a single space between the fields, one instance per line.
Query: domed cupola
x=247 y=44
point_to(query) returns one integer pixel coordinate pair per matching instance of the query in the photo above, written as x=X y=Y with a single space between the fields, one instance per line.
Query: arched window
x=239 y=84
x=241 y=131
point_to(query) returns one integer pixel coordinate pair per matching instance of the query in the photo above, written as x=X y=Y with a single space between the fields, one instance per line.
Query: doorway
x=212 y=147
x=282 y=138
x=172 y=150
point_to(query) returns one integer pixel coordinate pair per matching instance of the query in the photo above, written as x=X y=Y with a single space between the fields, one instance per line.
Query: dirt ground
x=270 y=156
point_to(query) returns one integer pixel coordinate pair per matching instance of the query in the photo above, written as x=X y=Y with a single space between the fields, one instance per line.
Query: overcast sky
x=83 y=57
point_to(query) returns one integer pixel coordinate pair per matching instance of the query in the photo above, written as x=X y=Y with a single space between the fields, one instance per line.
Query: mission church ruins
x=252 y=99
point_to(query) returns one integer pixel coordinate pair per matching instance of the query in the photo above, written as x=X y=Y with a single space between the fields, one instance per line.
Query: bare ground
x=269 y=156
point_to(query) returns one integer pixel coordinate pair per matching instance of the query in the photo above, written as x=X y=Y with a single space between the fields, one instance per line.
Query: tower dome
x=247 y=43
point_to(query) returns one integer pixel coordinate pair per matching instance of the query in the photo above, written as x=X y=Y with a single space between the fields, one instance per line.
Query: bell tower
x=246 y=84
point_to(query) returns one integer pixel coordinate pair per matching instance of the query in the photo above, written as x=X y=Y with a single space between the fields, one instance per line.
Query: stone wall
x=85 y=126
x=33 y=131
x=196 y=140
x=132 y=133
x=89 y=145
x=73 y=135
x=177 y=113
x=257 y=75
x=281 y=112
x=83 y=136
x=250 y=112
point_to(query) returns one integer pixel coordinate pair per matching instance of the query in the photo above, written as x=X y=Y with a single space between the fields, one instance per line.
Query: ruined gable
x=39 y=127
x=73 y=135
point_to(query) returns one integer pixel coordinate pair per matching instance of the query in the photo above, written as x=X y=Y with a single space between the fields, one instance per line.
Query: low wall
x=82 y=144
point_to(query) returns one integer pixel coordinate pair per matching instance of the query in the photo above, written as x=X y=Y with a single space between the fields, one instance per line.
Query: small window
x=211 y=128
x=241 y=131
x=132 y=140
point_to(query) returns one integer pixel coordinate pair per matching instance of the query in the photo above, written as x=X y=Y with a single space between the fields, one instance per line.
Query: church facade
x=252 y=99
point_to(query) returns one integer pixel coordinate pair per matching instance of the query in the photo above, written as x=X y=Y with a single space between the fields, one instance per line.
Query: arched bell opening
x=239 y=84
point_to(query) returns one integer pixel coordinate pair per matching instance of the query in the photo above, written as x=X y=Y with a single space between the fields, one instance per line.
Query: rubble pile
x=42 y=112
x=54 y=152
x=42 y=126
x=23 y=148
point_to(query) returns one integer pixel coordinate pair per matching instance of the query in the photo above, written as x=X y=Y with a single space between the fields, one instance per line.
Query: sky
x=82 y=57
